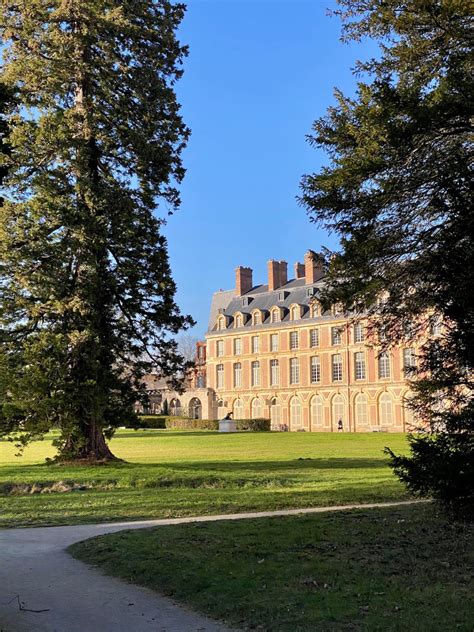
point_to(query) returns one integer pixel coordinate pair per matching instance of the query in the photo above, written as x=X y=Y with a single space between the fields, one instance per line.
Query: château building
x=272 y=352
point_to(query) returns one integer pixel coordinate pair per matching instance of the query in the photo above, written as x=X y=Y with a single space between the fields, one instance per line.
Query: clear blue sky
x=258 y=73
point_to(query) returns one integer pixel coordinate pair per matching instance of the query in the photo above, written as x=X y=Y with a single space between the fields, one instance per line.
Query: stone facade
x=272 y=352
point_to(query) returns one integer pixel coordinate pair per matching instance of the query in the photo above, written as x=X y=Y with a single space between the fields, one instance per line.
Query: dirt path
x=37 y=574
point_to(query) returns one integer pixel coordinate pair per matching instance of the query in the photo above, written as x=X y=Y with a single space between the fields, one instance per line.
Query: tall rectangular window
x=237 y=374
x=409 y=358
x=255 y=344
x=220 y=376
x=294 y=371
x=336 y=367
x=273 y=342
x=336 y=335
x=359 y=365
x=256 y=373
x=359 y=333
x=384 y=365
x=220 y=348
x=293 y=340
x=274 y=372
x=315 y=370
x=314 y=338
x=237 y=346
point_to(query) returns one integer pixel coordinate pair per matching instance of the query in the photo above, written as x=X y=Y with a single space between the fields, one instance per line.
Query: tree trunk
x=88 y=445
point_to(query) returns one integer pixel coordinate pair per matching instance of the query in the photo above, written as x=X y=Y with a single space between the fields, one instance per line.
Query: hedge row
x=183 y=423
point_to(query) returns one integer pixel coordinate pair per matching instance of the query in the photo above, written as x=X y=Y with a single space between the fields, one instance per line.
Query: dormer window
x=246 y=301
x=282 y=296
x=315 y=310
x=221 y=322
x=311 y=291
x=275 y=318
x=295 y=312
x=238 y=320
x=256 y=318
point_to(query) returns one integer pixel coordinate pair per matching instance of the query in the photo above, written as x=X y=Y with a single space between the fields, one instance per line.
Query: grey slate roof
x=295 y=292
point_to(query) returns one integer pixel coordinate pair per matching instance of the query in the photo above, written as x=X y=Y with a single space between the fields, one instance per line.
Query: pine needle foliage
x=87 y=298
x=398 y=193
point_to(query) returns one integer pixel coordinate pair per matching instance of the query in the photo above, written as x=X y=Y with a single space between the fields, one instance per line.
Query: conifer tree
x=87 y=298
x=398 y=192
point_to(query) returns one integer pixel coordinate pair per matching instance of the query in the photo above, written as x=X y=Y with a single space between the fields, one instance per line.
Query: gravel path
x=36 y=574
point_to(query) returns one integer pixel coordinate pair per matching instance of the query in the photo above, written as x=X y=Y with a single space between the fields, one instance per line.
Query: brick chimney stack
x=277 y=274
x=283 y=272
x=299 y=270
x=273 y=275
x=243 y=280
x=313 y=268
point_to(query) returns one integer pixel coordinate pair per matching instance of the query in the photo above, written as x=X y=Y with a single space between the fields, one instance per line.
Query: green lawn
x=191 y=473
x=394 y=569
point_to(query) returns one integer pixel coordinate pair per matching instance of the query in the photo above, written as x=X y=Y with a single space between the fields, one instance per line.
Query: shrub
x=254 y=425
x=177 y=423
x=184 y=423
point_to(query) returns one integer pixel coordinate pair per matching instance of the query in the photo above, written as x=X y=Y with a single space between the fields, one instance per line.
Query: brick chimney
x=243 y=280
x=277 y=274
x=299 y=270
x=273 y=275
x=283 y=273
x=313 y=269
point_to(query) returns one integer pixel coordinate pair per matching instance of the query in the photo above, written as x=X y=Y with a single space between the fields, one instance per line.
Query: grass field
x=394 y=569
x=192 y=473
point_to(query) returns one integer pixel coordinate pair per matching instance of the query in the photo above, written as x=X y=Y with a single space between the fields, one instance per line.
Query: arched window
x=221 y=322
x=238 y=409
x=317 y=411
x=338 y=410
x=275 y=413
x=257 y=408
x=256 y=318
x=275 y=316
x=294 y=312
x=315 y=309
x=296 y=418
x=385 y=409
x=360 y=409
x=238 y=320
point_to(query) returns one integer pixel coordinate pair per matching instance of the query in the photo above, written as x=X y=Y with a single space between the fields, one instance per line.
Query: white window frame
x=336 y=367
x=273 y=338
x=315 y=369
x=255 y=373
x=219 y=376
x=314 y=338
x=383 y=362
x=359 y=365
x=274 y=372
x=255 y=344
x=294 y=371
x=237 y=374
x=294 y=340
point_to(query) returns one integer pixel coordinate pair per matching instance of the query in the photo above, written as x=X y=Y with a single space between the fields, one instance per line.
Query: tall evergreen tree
x=398 y=191
x=87 y=298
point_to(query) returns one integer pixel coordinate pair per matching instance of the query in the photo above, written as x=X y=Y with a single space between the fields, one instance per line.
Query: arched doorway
x=296 y=414
x=239 y=409
x=275 y=414
x=338 y=413
x=317 y=412
x=175 y=407
x=195 y=408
